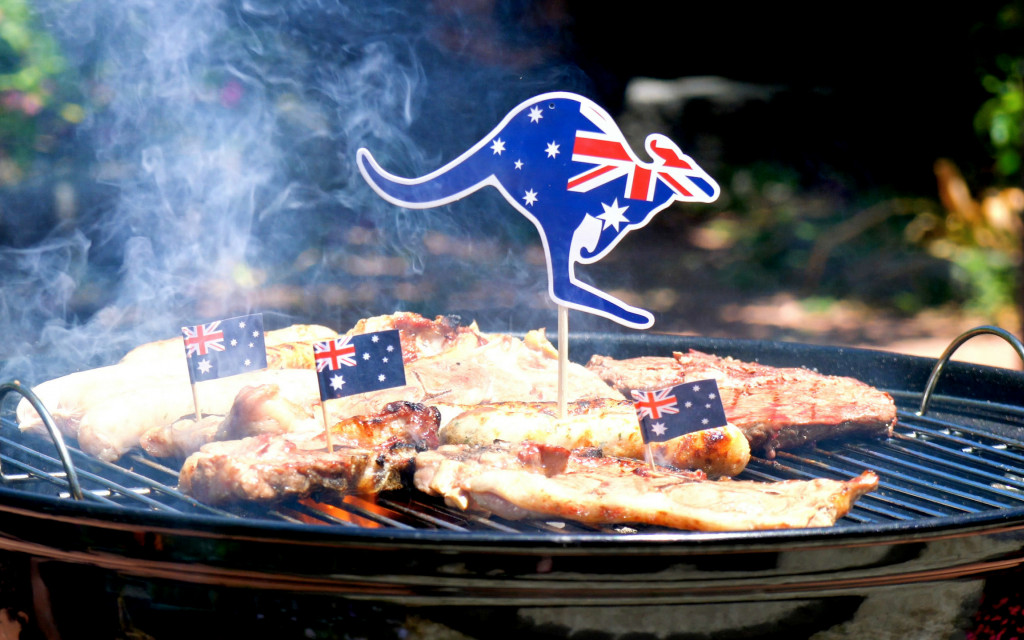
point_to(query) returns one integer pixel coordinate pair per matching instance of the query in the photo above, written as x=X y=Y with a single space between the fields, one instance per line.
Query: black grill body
x=945 y=522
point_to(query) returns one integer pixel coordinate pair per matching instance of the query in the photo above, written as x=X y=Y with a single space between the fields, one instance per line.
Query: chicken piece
x=599 y=490
x=110 y=428
x=147 y=369
x=776 y=408
x=287 y=348
x=256 y=410
x=610 y=425
x=181 y=438
x=270 y=468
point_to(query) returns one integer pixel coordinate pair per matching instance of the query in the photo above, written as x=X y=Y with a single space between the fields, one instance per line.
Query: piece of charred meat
x=610 y=425
x=501 y=480
x=776 y=408
x=369 y=455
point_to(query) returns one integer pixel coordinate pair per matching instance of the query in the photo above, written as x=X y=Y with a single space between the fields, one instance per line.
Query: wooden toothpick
x=195 y=402
x=563 y=358
x=327 y=428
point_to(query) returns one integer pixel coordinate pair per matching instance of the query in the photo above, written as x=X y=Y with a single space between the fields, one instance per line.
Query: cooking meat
x=602 y=490
x=610 y=425
x=113 y=409
x=256 y=410
x=111 y=427
x=370 y=454
x=287 y=348
x=776 y=408
x=422 y=337
x=147 y=372
x=504 y=368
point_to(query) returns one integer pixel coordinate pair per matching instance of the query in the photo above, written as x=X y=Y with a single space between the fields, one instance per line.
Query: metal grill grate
x=932 y=467
x=962 y=457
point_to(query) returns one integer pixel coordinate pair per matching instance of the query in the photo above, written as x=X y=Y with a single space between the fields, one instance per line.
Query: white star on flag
x=498 y=146
x=552 y=149
x=658 y=428
x=530 y=197
x=204 y=366
x=337 y=382
x=613 y=215
x=535 y=114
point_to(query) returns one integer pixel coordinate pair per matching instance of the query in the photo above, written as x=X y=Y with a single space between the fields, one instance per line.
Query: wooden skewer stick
x=195 y=402
x=563 y=358
x=327 y=428
x=649 y=455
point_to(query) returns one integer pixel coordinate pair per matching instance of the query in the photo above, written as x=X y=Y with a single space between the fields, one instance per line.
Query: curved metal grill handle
x=933 y=379
x=62 y=451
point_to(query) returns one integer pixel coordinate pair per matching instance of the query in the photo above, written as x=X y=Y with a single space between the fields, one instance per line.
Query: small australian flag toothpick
x=225 y=347
x=348 y=365
x=669 y=413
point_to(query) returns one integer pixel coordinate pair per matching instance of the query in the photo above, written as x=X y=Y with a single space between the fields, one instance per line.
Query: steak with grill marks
x=776 y=408
x=520 y=481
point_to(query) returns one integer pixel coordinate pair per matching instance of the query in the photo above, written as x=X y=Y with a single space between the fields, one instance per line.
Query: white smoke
x=224 y=133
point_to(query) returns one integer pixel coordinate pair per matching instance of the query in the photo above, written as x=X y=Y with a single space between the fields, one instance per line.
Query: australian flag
x=225 y=347
x=348 y=365
x=669 y=413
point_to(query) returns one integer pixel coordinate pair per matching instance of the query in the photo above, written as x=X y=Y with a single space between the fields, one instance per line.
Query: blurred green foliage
x=35 y=90
x=1000 y=120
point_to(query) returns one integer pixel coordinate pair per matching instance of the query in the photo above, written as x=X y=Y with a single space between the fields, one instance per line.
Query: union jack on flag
x=334 y=354
x=669 y=413
x=203 y=338
x=613 y=159
x=225 y=347
x=654 y=404
x=348 y=365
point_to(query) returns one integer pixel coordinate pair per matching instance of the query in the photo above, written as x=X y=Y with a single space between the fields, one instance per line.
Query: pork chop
x=596 y=490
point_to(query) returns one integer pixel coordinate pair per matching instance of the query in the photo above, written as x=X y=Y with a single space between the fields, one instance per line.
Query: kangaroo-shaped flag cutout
x=562 y=162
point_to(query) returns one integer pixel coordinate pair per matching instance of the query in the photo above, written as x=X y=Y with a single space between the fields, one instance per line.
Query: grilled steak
x=372 y=455
x=776 y=408
x=500 y=479
x=610 y=425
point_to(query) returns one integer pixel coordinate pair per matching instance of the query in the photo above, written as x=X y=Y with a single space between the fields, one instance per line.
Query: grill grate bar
x=997 y=455
x=56 y=479
x=421 y=515
x=874 y=507
x=880 y=502
x=84 y=476
x=973 y=470
x=918 y=488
